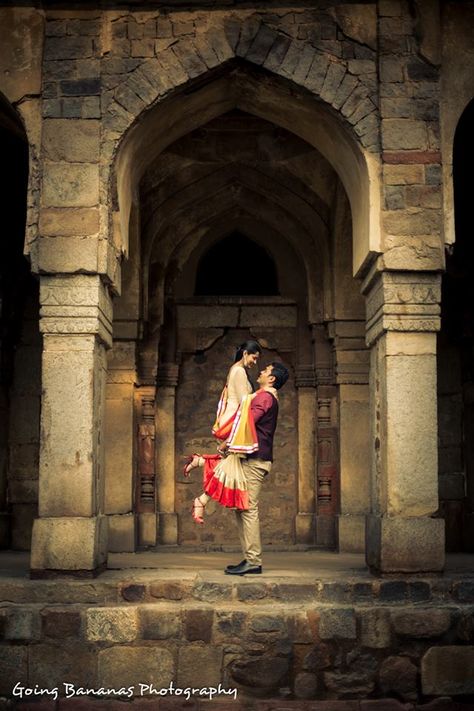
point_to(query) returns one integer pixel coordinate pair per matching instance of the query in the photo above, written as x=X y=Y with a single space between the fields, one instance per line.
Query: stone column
x=326 y=447
x=165 y=452
x=70 y=534
x=120 y=446
x=305 y=382
x=402 y=320
x=145 y=491
x=145 y=486
x=352 y=377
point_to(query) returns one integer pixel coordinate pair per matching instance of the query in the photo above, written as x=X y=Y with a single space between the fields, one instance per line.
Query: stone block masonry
x=101 y=70
x=409 y=110
x=398 y=642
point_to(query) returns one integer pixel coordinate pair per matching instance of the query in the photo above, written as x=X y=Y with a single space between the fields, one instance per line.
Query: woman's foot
x=197 y=511
x=192 y=462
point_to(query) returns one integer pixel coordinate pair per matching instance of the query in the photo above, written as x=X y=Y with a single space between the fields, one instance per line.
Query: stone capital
x=351 y=355
x=168 y=374
x=76 y=305
x=305 y=376
x=401 y=301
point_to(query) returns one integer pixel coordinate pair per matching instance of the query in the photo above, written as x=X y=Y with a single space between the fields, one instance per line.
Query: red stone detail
x=145 y=484
x=327 y=498
x=409 y=157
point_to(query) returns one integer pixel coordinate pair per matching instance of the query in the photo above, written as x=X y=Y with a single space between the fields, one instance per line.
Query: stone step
x=146 y=586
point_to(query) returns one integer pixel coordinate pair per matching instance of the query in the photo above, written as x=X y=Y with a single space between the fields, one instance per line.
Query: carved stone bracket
x=401 y=301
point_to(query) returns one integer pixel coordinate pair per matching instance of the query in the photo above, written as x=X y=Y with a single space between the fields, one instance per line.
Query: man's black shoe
x=233 y=567
x=244 y=568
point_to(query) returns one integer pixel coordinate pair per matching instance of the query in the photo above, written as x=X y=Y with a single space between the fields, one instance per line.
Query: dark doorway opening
x=456 y=355
x=20 y=345
x=236 y=266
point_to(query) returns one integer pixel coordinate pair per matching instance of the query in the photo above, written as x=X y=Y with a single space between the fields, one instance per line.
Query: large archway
x=340 y=126
x=241 y=173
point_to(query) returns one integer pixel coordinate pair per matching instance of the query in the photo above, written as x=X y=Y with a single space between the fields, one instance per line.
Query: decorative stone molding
x=324 y=376
x=168 y=375
x=351 y=354
x=78 y=305
x=324 y=411
x=401 y=301
x=305 y=376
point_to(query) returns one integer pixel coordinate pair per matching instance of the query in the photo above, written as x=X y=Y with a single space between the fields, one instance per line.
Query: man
x=256 y=466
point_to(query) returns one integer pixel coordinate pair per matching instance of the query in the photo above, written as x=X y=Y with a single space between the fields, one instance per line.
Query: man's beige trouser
x=248 y=522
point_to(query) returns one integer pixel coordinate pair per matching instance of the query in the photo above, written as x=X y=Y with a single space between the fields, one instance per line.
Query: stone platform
x=315 y=631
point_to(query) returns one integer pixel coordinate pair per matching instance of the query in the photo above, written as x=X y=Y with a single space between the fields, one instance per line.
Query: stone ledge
x=393 y=591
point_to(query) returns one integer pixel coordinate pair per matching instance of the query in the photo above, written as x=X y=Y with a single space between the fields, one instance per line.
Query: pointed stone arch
x=307 y=91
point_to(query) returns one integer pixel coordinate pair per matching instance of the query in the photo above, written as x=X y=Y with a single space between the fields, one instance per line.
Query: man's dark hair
x=280 y=373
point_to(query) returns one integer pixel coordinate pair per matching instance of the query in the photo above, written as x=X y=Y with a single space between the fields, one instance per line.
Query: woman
x=223 y=477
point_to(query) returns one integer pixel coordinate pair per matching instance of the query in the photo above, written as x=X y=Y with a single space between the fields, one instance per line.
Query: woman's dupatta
x=243 y=435
x=239 y=430
x=222 y=430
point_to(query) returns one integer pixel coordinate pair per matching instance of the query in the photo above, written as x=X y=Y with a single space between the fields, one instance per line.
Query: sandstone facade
x=320 y=134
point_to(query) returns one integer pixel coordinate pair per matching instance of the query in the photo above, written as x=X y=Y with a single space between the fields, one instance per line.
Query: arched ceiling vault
x=188 y=236
x=161 y=230
x=162 y=195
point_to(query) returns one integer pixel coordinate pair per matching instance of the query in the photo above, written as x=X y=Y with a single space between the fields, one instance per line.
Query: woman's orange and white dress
x=224 y=479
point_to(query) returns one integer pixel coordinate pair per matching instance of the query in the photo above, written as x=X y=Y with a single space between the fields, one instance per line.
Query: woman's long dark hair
x=250 y=347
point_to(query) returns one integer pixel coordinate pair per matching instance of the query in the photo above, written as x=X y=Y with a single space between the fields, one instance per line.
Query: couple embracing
x=245 y=426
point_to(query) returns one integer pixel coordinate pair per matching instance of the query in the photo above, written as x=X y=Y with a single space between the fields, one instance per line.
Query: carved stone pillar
x=70 y=534
x=327 y=467
x=402 y=320
x=327 y=458
x=145 y=496
x=145 y=403
x=165 y=452
x=305 y=382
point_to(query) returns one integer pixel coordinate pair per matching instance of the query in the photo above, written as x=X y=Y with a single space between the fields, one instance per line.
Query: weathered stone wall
x=196 y=402
x=409 y=107
x=130 y=59
x=408 y=640
x=109 y=91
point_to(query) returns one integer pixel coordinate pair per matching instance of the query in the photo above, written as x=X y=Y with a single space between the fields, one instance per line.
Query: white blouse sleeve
x=238 y=383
